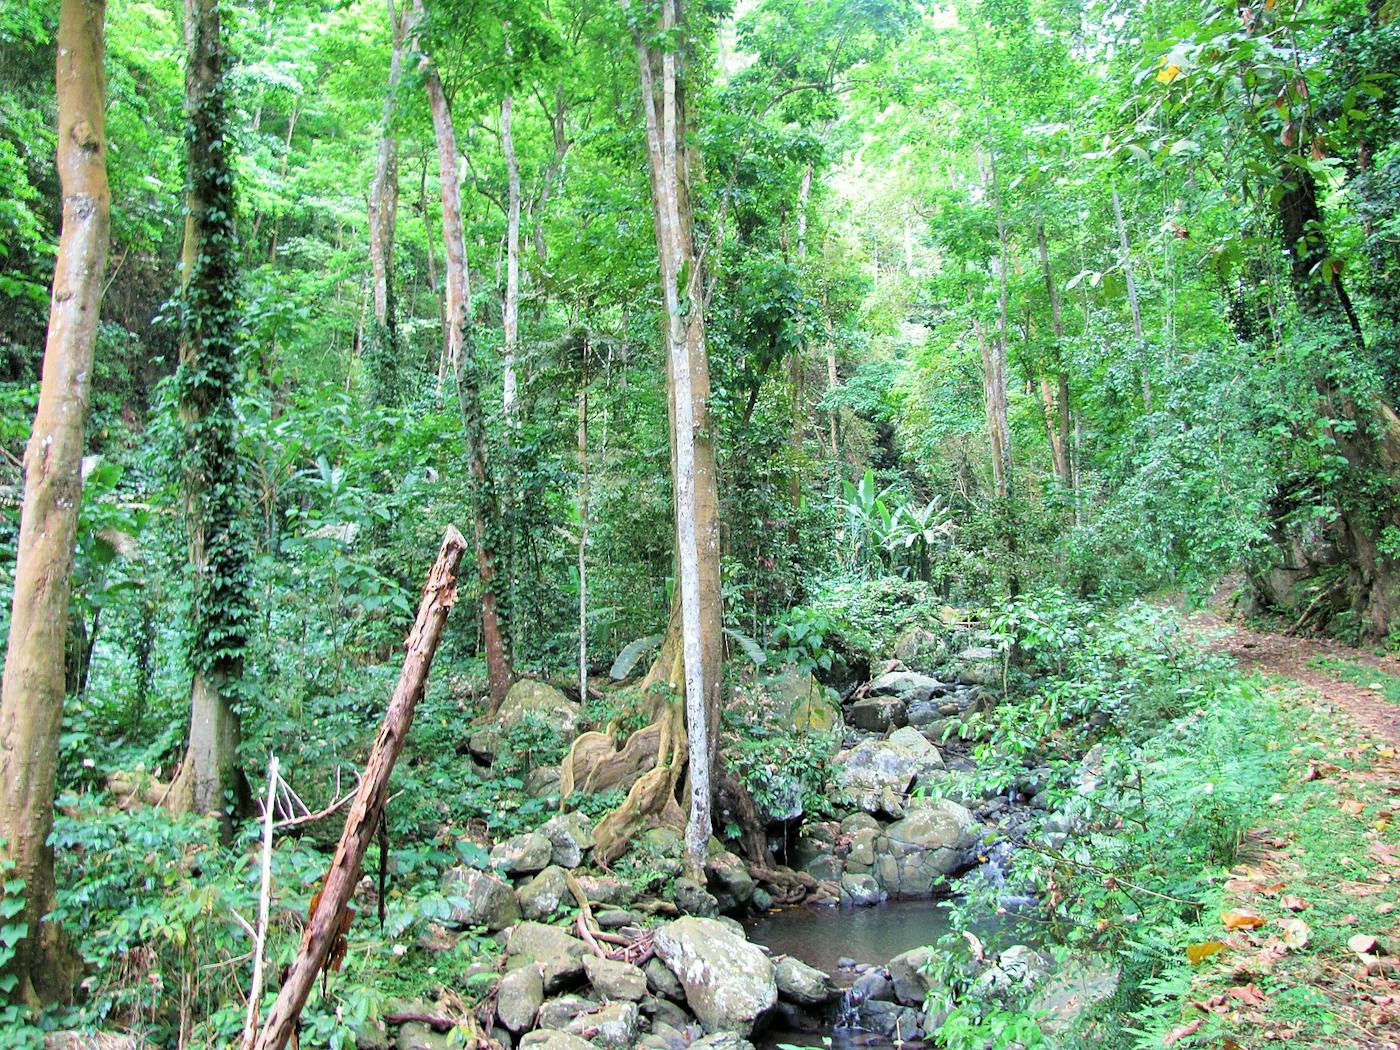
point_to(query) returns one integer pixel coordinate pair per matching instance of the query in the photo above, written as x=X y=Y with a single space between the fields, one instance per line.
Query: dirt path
x=1291 y=657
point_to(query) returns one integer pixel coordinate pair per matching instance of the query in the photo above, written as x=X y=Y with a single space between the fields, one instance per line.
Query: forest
x=728 y=524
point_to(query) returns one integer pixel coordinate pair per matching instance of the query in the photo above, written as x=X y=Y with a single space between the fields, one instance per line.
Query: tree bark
x=1056 y=416
x=1130 y=280
x=796 y=371
x=583 y=539
x=209 y=780
x=692 y=441
x=498 y=668
x=994 y=353
x=383 y=219
x=31 y=699
x=330 y=919
x=510 y=311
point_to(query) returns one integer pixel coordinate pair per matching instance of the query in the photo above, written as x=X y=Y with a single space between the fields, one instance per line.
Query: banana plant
x=923 y=531
x=870 y=516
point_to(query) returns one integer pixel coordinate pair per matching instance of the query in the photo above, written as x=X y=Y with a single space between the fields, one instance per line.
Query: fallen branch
x=250 y=1024
x=329 y=919
x=433 y=1021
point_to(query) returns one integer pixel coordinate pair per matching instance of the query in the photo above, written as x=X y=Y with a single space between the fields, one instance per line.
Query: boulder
x=979 y=665
x=522 y=854
x=876 y=775
x=917 y=853
x=557 y=1013
x=919 y=648
x=891 y=1020
x=860 y=854
x=722 y=1041
x=728 y=982
x=662 y=981
x=693 y=899
x=605 y=889
x=875 y=714
x=1017 y=969
x=542 y=782
x=518 y=998
x=873 y=984
x=728 y=876
x=612 y=1025
x=546 y=1039
x=559 y=956
x=415 y=1036
x=1072 y=992
x=910 y=985
x=541 y=897
x=861 y=891
x=663 y=1036
x=614 y=979
x=479 y=898
x=798 y=701
x=541 y=699
x=570 y=835
x=803 y=984
x=909 y=686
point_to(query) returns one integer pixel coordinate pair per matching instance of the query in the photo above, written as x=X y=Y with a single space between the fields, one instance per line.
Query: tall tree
x=381 y=350
x=31 y=701
x=661 y=56
x=209 y=780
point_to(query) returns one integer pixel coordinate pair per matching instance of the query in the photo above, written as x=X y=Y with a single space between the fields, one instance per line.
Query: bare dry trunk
x=31 y=701
x=510 y=312
x=1056 y=416
x=383 y=219
x=994 y=350
x=583 y=541
x=330 y=919
x=1130 y=280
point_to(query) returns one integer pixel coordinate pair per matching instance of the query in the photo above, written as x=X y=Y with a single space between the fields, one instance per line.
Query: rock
x=518 y=998
x=802 y=983
x=1017 y=969
x=875 y=714
x=663 y=1036
x=541 y=897
x=557 y=1013
x=858 y=820
x=798 y=701
x=570 y=835
x=529 y=697
x=479 y=899
x=761 y=900
x=919 y=648
x=722 y=1041
x=909 y=686
x=664 y=841
x=729 y=876
x=613 y=1025
x=547 y=1039
x=979 y=665
x=891 y=1020
x=728 y=982
x=662 y=981
x=663 y=1011
x=613 y=979
x=373 y=1035
x=612 y=918
x=910 y=985
x=692 y=899
x=917 y=853
x=522 y=854
x=871 y=985
x=860 y=856
x=861 y=891
x=605 y=889
x=415 y=1036
x=542 y=782
x=559 y=956
x=876 y=775
x=484 y=744
x=790 y=1017
x=1072 y=992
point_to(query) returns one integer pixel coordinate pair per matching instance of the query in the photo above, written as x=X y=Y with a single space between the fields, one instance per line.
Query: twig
x=250 y=1024
x=296 y=822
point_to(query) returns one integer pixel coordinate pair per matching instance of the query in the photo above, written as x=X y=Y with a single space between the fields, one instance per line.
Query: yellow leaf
x=1169 y=74
x=1198 y=953
x=1269 y=4
x=1241 y=920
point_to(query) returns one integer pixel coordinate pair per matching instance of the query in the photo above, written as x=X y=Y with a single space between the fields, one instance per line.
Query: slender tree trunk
x=510 y=312
x=1129 y=279
x=693 y=453
x=383 y=357
x=795 y=364
x=1056 y=416
x=995 y=357
x=31 y=700
x=209 y=780
x=583 y=541
x=498 y=668
x=831 y=382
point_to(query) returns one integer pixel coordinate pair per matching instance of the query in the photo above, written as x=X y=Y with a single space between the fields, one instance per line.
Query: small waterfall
x=847 y=1011
x=993 y=872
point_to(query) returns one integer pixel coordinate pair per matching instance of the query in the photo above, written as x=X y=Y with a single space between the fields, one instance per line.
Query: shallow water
x=821 y=936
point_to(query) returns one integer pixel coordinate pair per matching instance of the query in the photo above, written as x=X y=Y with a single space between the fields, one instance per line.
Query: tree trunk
x=692 y=440
x=510 y=311
x=382 y=355
x=1056 y=416
x=31 y=700
x=1129 y=279
x=498 y=668
x=583 y=540
x=209 y=780
x=994 y=355
x=795 y=368
x=329 y=918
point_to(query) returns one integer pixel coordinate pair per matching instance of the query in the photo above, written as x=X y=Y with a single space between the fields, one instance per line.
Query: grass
x=1384 y=684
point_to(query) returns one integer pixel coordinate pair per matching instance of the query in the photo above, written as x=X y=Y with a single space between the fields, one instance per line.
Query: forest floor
x=1309 y=952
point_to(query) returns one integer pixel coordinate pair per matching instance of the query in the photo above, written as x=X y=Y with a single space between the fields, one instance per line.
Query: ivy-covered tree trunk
x=694 y=472
x=381 y=355
x=464 y=368
x=209 y=780
x=31 y=701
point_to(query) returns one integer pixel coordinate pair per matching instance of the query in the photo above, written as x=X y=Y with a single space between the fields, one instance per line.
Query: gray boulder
x=522 y=854
x=570 y=835
x=876 y=775
x=558 y=1012
x=558 y=956
x=728 y=876
x=803 y=984
x=541 y=699
x=916 y=854
x=875 y=714
x=911 y=987
x=861 y=891
x=479 y=898
x=611 y=1025
x=546 y=1039
x=728 y=982
x=662 y=981
x=518 y=998
x=910 y=686
x=541 y=897
x=415 y=1036
x=614 y=979
x=722 y=1041
x=693 y=899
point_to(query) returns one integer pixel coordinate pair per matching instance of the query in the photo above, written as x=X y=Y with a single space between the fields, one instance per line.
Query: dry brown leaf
x=1295 y=903
x=1362 y=944
x=1181 y=1031
x=1248 y=994
x=1244 y=919
x=1295 y=932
